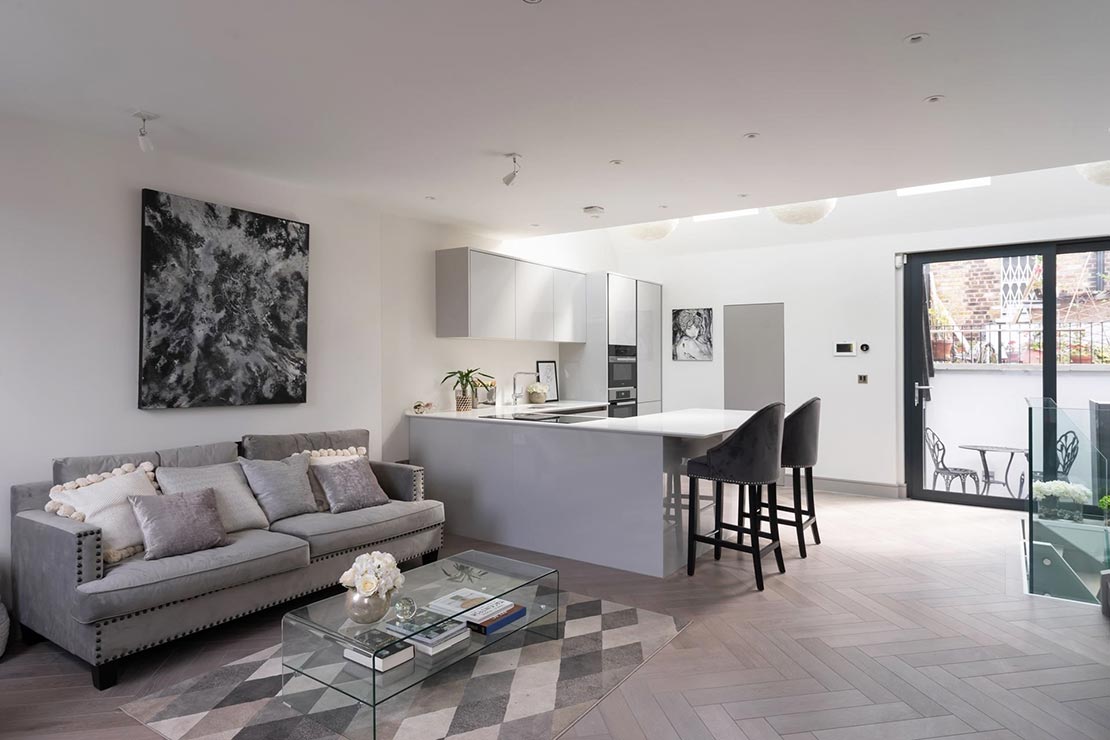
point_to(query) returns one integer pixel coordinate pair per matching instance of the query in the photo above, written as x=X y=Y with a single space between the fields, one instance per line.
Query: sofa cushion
x=194 y=456
x=278 y=446
x=327 y=533
x=238 y=507
x=137 y=584
x=72 y=468
x=280 y=486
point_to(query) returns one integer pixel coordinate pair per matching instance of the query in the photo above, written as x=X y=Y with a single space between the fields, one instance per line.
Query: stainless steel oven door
x=622 y=409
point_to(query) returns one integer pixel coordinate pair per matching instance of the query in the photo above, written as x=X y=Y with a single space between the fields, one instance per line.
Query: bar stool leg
x=718 y=491
x=773 y=507
x=755 y=505
x=692 y=527
x=795 y=475
x=812 y=509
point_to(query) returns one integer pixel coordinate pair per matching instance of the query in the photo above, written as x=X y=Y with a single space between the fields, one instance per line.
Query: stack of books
x=387 y=652
x=482 y=614
x=428 y=632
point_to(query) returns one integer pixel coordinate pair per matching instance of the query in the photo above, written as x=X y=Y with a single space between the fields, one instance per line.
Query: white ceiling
x=398 y=100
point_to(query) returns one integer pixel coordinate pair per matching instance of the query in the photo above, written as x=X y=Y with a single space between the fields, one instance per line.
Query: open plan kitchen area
x=548 y=370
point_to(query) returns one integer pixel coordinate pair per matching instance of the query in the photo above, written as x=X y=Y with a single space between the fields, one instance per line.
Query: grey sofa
x=65 y=592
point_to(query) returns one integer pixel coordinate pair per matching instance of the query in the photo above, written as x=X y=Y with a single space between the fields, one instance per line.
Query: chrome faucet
x=519 y=395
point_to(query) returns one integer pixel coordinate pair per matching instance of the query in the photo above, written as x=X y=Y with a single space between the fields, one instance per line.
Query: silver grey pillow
x=350 y=485
x=237 y=505
x=178 y=523
x=281 y=486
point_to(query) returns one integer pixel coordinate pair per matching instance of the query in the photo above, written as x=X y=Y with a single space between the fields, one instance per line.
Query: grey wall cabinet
x=491 y=296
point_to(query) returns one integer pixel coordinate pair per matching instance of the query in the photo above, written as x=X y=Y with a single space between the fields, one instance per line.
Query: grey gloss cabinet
x=492 y=296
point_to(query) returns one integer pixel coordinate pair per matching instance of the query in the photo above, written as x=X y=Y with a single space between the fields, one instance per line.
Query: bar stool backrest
x=800 y=434
x=751 y=454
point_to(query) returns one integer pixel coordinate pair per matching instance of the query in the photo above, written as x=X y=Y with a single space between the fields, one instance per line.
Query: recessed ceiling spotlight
x=429 y=197
x=751 y=135
x=533 y=2
x=916 y=38
x=534 y=226
x=616 y=162
x=741 y=195
x=511 y=177
x=664 y=206
x=594 y=211
x=933 y=99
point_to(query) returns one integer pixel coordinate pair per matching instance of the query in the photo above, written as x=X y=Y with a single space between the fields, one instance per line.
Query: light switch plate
x=861 y=379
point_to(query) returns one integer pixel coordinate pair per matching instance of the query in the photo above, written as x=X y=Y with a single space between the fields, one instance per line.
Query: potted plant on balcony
x=1104 y=504
x=1059 y=499
x=1035 y=351
x=467 y=382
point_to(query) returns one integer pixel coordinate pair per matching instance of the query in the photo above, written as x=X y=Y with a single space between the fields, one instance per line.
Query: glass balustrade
x=1067 y=532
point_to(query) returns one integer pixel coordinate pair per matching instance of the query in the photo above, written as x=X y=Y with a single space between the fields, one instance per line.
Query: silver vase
x=366 y=609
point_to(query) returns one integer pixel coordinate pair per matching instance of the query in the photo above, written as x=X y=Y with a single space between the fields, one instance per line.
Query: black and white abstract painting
x=692 y=334
x=224 y=306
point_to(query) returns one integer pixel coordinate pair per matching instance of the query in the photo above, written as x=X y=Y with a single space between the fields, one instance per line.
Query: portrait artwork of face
x=692 y=334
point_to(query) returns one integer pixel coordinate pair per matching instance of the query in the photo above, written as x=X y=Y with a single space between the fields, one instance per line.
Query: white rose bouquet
x=1074 y=492
x=373 y=574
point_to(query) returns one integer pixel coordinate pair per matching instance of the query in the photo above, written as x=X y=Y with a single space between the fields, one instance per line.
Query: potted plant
x=466 y=383
x=537 y=393
x=1035 y=350
x=1013 y=354
x=1104 y=504
x=1057 y=498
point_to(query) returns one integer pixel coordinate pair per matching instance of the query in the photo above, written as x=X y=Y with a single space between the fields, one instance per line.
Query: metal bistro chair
x=937 y=451
x=750 y=458
x=799 y=452
x=1067 y=450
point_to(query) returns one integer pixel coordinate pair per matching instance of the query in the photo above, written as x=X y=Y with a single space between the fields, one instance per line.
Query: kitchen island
x=605 y=491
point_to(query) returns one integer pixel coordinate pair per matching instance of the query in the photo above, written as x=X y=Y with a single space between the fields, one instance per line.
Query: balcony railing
x=1078 y=343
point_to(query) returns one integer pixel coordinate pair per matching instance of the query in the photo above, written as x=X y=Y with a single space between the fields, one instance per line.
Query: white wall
x=69 y=320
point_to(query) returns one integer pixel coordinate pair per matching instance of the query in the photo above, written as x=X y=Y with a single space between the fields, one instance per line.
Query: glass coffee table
x=322 y=651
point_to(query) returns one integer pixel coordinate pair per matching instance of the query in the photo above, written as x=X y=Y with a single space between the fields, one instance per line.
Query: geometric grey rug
x=523 y=687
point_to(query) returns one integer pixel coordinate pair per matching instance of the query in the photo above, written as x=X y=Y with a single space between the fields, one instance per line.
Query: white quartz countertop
x=687 y=423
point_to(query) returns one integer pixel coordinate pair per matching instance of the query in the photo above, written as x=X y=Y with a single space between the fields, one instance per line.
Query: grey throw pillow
x=281 y=486
x=234 y=498
x=178 y=523
x=350 y=485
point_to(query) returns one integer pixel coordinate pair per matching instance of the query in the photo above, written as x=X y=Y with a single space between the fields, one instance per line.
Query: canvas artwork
x=692 y=334
x=224 y=306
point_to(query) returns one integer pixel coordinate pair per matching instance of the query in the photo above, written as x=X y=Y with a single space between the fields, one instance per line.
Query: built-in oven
x=622 y=366
x=622 y=403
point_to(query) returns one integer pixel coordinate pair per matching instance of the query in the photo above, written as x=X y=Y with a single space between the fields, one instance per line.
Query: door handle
x=917 y=388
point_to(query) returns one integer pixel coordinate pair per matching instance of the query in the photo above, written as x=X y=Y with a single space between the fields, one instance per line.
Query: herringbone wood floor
x=909 y=622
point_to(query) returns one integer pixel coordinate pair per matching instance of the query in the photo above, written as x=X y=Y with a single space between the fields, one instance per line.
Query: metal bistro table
x=987 y=479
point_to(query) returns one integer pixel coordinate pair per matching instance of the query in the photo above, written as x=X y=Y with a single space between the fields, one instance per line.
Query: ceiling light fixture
x=652 y=232
x=616 y=162
x=751 y=135
x=1095 y=172
x=594 y=211
x=725 y=214
x=940 y=187
x=933 y=99
x=429 y=197
x=146 y=144
x=741 y=195
x=533 y=2
x=510 y=178
x=801 y=214
x=916 y=38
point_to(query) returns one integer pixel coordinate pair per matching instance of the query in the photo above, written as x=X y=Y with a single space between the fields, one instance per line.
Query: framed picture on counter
x=549 y=376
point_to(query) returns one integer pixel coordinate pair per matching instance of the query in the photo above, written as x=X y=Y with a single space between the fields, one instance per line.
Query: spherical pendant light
x=800 y=214
x=1096 y=172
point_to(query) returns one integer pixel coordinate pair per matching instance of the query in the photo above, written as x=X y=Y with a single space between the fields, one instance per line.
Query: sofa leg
x=430 y=557
x=104 y=676
x=29 y=636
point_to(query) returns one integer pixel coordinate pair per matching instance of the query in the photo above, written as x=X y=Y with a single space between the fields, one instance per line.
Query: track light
x=510 y=178
x=146 y=144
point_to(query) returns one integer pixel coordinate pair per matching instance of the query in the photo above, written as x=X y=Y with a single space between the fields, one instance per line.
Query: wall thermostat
x=844 y=349
x=864 y=347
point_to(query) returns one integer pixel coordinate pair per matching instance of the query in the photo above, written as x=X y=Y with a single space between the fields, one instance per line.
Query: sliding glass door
x=985 y=330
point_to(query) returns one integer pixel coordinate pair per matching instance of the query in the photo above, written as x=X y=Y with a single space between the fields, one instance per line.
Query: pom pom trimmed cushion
x=328 y=457
x=102 y=501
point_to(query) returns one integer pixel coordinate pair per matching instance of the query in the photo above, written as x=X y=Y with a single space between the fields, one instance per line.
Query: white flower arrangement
x=1074 y=492
x=372 y=574
x=536 y=388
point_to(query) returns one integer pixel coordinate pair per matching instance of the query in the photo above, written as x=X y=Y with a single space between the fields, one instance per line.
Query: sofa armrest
x=51 y=557
x=399 y=481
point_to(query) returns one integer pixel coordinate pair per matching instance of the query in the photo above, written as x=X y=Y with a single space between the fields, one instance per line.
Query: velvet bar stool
x=750 y=457
x=799 y=452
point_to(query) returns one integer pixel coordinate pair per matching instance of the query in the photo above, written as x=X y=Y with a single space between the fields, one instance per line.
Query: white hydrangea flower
x=375 y=572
